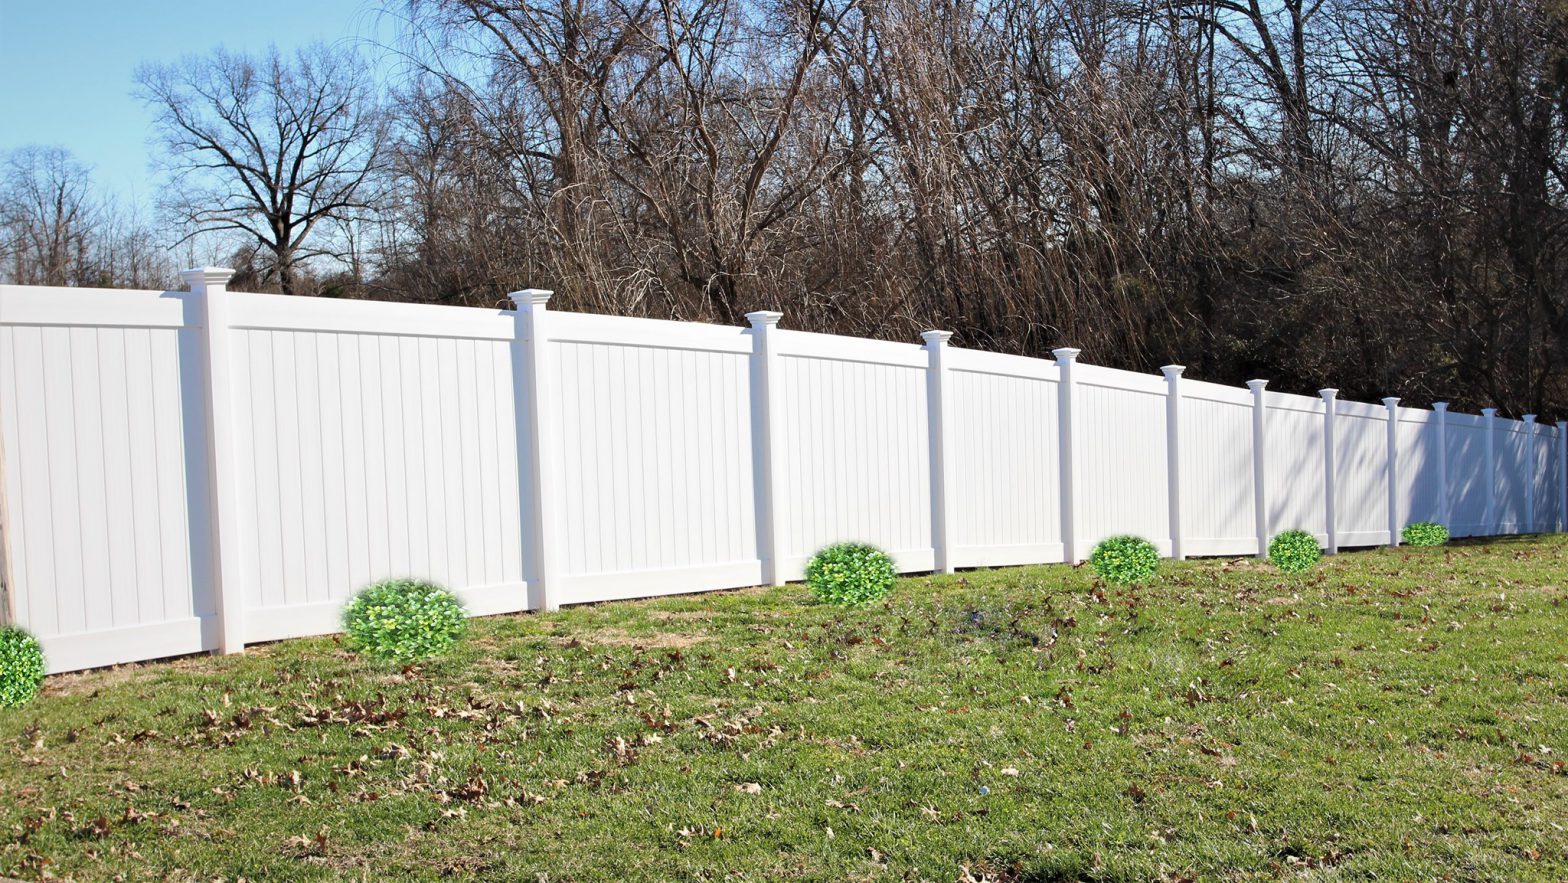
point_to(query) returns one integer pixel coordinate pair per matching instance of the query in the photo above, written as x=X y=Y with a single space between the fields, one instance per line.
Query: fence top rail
x=102 y=307
x=279 y=312
x=593 y=328
x=1216 y=392
x=811 y=345
x=1115 y=378
x=1360 y=410
x=1003 y=365
x=1420 y=416
x=1287 y=401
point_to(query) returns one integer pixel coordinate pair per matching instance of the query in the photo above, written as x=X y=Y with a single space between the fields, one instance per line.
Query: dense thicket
x=1361 y=193
x=1368 y=193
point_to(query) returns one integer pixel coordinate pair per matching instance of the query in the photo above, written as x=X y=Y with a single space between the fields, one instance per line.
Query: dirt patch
x=77 y=682
x=680 y=615
x=1248 y=565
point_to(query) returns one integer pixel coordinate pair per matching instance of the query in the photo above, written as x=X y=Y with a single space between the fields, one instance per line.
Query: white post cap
x=1066 y=353
x=1257 y=385
x=535 y=297
x=203 y=278
x=936 y=338
x=1328 y=394
x=1489 y=412
x=1172 y=370
x=761 y=318
x=1529 y=418
x=1440 y=406
x=1391 y=402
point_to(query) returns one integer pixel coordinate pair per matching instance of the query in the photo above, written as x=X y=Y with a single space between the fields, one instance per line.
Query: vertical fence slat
x=1329 y=503
x=939 y=424
x=1066 y=395
x=207 y=285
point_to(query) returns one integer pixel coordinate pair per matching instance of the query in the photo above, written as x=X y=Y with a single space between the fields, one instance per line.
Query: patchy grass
x=1392 y=715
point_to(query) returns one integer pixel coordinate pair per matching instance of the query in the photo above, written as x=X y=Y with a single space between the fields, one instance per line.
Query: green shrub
x=1425 y=533
x=1294 y=551
x=404 y=620
x=850 y=573
x=21 y=667
x=1125 y=560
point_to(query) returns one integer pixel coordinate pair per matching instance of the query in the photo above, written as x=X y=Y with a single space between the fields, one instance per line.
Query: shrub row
x=405 y=620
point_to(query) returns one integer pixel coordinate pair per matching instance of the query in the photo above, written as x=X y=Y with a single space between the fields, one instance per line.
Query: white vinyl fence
x=198 y=470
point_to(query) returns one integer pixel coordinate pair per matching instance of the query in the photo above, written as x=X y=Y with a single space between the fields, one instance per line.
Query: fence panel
x=1007 y=459
x=1469 y=475
x=1548 y=494
x=1216 y=465
x=1120 y=457
x=1419 y=482
x=655 y=431
x=1294 y=464
x=856 y=462
x=382 y=445
x=1511 y=444
x=105 y=473
x=1361 y=473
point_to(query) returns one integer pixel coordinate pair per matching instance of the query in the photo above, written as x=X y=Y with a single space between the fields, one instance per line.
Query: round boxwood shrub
x=404 y=620
x=1294 y=551
x=850 y=573
x=1125 y=560
x=21 y=667
x=1425 y=533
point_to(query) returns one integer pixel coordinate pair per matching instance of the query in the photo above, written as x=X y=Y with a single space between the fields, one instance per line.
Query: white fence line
x=189 y=471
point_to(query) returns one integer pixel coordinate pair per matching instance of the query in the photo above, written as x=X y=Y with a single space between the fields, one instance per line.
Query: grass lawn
x=1396 y=714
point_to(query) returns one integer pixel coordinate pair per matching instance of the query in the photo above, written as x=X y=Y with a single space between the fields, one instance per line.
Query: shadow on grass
x=1067 y=868
x=1503 y=540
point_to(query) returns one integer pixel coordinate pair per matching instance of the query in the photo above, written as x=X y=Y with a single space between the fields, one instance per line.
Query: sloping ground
x=1396 y=714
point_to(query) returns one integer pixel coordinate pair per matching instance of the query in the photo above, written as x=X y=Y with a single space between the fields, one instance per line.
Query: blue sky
x=66 y=67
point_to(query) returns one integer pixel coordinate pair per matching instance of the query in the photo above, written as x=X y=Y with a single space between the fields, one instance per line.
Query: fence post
x=1260 y=511
x=1562 y=475
x=1329 y=396
x=533 y=377
x=1066 y=395
x=208 y=285
x=1491 y=471
x=1443 y=512
x=1532 y=465
x=940 y=424
x=1173 y=455
x=765 y=443
x=1392 y=404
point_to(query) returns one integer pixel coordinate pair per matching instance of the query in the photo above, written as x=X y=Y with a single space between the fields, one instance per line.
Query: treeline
x=1368 y=194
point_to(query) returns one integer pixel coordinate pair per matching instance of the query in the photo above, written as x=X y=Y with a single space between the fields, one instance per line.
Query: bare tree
x=47 y=216
x=267 y=149
x=1373 y=192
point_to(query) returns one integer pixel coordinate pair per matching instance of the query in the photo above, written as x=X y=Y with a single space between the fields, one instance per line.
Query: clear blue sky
x=66 y=67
